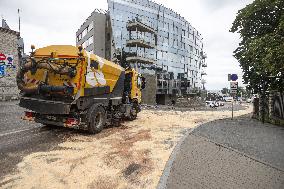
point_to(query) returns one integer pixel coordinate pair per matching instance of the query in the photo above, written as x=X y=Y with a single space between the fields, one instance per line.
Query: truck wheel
x=133 y=113
x=96 y=119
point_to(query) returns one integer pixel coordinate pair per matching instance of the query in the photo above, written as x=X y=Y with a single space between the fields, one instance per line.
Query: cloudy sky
x=56 y=21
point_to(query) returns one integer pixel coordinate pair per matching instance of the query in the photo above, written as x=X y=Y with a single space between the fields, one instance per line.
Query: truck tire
x=96 y=119
x=133 y=112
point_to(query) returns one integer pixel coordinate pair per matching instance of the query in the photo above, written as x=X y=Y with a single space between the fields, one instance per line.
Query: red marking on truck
x=81 y=71
x=33 y=81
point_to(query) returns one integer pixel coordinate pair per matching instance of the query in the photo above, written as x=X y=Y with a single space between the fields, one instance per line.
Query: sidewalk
x=239 y=153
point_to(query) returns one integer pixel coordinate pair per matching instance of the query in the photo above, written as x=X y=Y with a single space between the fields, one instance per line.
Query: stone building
x=9 y=61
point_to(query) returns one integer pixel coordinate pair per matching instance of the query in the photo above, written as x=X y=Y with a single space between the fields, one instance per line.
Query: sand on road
x=130 y=156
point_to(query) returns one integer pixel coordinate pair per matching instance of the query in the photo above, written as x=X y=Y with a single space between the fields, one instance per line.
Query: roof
x=10 y=31
x=67 y=51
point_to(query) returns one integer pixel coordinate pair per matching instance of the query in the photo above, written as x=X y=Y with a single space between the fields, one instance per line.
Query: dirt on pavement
x=130 y=156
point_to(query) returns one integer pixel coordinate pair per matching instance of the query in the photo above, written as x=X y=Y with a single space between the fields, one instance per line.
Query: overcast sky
x=56 y=22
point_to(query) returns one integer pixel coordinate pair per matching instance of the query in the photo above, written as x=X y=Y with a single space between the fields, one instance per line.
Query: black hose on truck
x=32 y=66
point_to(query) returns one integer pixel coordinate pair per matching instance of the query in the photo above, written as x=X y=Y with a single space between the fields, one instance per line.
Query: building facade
x=160 y=44
x=91 y=38
x=10 y=42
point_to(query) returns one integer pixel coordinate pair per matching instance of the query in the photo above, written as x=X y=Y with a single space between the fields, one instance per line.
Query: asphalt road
x=19 y=138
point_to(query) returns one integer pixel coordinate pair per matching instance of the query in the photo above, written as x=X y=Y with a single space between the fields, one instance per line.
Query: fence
x=270 y=108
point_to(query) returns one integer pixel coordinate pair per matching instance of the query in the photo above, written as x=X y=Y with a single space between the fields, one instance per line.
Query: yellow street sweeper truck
x=67 y=86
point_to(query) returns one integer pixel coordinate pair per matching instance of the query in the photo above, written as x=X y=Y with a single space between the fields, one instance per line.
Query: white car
x=220 y=103
x=211 y=104
x=249 y=100
x=216 y=104
x=228 y=99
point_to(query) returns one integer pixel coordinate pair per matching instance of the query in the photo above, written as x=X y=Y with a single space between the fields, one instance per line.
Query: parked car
x=216 y=103
x=228 y=99
x=220 y=103
x=211 y=104
x=249 y=100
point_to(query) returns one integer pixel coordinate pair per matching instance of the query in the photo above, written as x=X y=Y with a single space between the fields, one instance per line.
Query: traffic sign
x=2 y=70
x=234 y=85
x=234 y=91
x=233 y=77
x=2 y=56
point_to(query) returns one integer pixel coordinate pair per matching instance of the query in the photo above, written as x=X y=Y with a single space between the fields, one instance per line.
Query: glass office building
x=160 y=43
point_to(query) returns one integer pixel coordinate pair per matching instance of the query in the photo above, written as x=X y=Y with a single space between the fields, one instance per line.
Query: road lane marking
x=14 y=132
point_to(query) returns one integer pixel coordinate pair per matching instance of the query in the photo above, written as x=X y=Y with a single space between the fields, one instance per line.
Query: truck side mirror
x=94 y=65
x=143 y=86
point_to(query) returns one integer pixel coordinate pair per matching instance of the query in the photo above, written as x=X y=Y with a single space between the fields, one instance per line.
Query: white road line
x=14 y=132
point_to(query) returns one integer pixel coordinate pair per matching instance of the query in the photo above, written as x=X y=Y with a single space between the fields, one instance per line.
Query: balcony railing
x=141 y=59
x=135 y=24
x=139 y=43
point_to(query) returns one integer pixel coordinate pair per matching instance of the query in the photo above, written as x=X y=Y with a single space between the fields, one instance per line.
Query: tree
x=243 y=92
x=261 y=50
x=225 y=91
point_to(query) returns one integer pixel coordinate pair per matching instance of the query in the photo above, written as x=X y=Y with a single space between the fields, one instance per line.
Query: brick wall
x=8 y=48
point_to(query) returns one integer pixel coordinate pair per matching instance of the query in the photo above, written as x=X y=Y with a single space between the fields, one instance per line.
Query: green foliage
x=244 y=92
x=261 y=51
x=225 y=91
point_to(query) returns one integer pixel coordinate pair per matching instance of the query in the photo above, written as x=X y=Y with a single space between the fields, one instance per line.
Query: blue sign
x=2 y=70
x=234 y=77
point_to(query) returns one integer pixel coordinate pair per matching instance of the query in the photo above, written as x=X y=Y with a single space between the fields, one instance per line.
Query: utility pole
x=233 y=89
x=233 y=108
x=19 y=20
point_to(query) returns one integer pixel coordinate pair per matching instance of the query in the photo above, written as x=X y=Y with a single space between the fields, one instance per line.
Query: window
x=79 y=37
x=84 y=32
x=107 y=23
x=88 y=42
x=183 y=60
x=84 y=45
x=183 y=32
x=108 y=36
x=91 y=26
